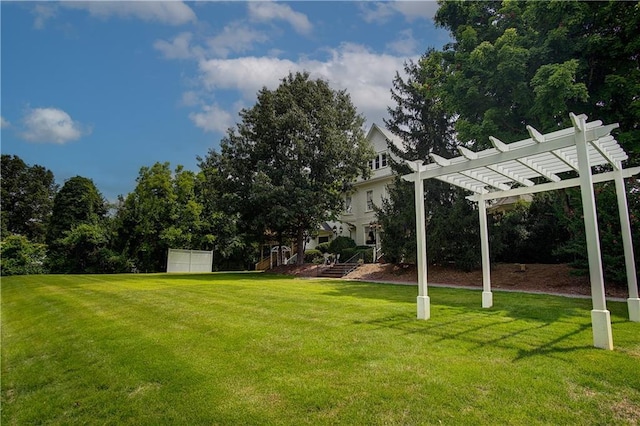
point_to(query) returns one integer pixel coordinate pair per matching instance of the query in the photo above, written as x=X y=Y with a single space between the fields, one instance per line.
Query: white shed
x=179 y=260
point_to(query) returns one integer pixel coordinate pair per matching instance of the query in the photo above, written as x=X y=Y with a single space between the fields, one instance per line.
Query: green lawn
x=251 y=348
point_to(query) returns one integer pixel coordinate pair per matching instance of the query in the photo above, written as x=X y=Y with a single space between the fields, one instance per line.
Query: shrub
x=323 y=248
x=19 y=256
x=338 y=244
x=311 y=254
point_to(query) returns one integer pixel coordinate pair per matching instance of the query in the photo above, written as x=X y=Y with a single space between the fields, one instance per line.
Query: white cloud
x=43 y=12
x=380 y=12
x=417 y=9
x=166 y=12
x=366 y=76
x=247 y=74
x=264 y=11
x=4 y=123
x=178 y=48
x=235 y=37
x=212 y=118
x=405 y=44
x=376 y=12
x=190 y=98
x=51 y=125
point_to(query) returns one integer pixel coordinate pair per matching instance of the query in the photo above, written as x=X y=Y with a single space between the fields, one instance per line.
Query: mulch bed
x=558 y=279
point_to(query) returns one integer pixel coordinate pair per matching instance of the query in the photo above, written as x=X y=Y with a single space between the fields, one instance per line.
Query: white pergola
x=510 y=169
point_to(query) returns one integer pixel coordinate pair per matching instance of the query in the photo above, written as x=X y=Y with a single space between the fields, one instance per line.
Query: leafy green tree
x=77 y=203
x=292 y=156
x=231 y=248
x=515 y=63
x=162 y=212
x=88 y=249
x=26 y=196
x=144 y=215
x=532 y=232
x=19 y=256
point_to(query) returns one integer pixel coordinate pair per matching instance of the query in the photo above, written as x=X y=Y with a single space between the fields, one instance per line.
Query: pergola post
x=633 y=302
x=487 y=296
x=424 y=308
x=600 y=316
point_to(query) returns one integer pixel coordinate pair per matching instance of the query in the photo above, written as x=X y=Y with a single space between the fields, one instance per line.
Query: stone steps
x=338 y=270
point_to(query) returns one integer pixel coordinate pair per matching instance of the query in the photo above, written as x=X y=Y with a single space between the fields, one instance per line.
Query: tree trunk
x=300 y=249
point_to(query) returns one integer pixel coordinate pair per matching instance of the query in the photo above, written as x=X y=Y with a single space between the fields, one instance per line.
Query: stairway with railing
x=339 y=270
x=333 y=270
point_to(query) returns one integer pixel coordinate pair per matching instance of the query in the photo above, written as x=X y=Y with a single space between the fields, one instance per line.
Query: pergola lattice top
x=497 y=171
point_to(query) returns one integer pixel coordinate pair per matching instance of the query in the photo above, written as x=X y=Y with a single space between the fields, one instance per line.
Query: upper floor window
x=369 y=200
x=379 y=161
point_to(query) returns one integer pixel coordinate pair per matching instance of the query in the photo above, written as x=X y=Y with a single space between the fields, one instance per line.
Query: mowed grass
x=251 y=348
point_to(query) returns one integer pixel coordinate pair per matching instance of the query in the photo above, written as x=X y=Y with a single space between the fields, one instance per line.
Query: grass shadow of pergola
x=530 y=324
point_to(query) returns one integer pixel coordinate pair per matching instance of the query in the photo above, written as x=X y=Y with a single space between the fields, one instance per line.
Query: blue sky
x=100 y=89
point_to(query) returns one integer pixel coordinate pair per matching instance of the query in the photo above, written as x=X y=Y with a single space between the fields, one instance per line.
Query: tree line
x=280 y=173
x=286 y=165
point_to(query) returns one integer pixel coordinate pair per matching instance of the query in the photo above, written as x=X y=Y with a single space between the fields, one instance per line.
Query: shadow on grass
x=525 y=338
x=530 y=324
x=525 y=306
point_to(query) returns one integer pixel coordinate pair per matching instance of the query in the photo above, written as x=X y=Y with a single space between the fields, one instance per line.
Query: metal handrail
x=355 y=257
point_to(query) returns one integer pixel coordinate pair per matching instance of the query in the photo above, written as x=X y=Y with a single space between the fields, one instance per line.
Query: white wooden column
x=424 y=308
x=633 y=302
x=600 y=316
x=487 y=296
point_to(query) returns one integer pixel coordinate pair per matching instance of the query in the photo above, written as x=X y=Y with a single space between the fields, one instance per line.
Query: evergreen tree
x=420 y=118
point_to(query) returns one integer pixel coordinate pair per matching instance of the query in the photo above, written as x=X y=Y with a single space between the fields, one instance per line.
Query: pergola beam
x=551 y=186
x=458 y=182
x=539 y=169
x=501 y=157
x=606 y=154
x=503 y=147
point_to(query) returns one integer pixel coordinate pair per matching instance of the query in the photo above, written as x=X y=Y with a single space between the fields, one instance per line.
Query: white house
x=358 y=220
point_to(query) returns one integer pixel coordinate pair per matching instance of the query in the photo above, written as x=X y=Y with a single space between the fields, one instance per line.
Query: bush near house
x=339 y=244
x=312 y=256
x=323 y=248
